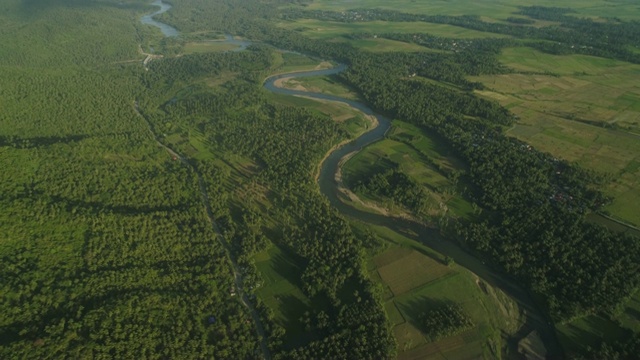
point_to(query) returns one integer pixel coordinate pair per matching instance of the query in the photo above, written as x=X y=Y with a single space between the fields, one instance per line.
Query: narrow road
x=237 y=274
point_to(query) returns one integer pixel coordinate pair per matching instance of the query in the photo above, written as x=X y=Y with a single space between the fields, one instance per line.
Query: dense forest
x=115 y=247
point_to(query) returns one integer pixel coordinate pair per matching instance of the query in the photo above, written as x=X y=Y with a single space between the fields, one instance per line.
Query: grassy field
x=625 y=9
x=588 y=113
x=353 y=120
x=281 y=292
x=320 y=29
x=382 y=45
x=322 y=84
x=285 y=62
x=415 y=278
x=422 y=157
x=207 y=46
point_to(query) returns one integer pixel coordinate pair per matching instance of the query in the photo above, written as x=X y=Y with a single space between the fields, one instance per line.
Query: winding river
x=534 y=318
x=167 y=30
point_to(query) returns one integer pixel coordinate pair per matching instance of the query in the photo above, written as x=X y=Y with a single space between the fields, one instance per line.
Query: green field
x=280 y=291
x=588 y=113
x=577 y=335
x=414 y=278
x=625 y=9
x=321 y=84
x=320 y=29
x=285 y=62
x=382 y=45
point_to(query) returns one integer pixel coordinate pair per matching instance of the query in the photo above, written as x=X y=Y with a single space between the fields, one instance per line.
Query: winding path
x=535 y=319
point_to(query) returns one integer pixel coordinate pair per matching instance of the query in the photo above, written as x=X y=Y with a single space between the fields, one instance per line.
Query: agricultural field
x=587 y=110
x=320 y=29
x=285 y=62
x=382 y=45
x=626 y=9
x=207 y=46
x=421 y=156
x=321 y=84
x=415 y=279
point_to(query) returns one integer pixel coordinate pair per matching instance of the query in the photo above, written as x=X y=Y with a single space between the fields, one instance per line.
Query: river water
x=167 y=30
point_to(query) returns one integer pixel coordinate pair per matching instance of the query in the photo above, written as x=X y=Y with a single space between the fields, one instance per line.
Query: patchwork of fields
x=415 y=279
x=587 y=110
x=626 y=9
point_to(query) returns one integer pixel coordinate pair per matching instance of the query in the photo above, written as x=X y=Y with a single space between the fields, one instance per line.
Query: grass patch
x=411 y=271
x=285 y=62
x=281 y=292
x=630 y=317
x=382 y=45
x=352 y=120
